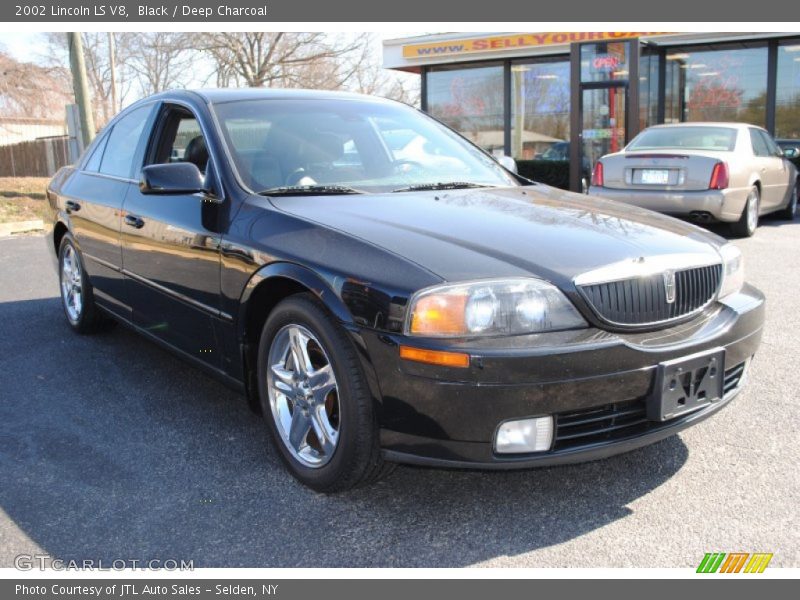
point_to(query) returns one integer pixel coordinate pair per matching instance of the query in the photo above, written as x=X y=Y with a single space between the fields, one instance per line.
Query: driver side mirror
x=172 y=178
x=508 y=163
x=791 y=153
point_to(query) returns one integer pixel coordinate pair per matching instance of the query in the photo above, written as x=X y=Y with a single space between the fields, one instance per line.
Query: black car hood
x=521 y=231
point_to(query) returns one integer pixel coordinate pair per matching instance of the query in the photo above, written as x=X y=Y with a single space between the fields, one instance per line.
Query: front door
x=170 y=248
x=603 y=123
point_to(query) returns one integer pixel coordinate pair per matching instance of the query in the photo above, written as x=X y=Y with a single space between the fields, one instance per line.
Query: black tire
x=356 y=459
x=89 y=319
x=789 y=213
x=746 y=226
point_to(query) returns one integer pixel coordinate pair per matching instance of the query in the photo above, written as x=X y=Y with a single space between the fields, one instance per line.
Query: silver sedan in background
x=706 y=172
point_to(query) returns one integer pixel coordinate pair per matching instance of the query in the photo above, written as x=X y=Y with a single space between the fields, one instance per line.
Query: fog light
x=525 y=435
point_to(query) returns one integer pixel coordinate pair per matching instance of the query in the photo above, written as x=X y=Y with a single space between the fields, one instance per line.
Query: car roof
x=728 y=124
x=221 y=95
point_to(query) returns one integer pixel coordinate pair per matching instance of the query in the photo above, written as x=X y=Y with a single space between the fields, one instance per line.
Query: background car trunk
x=684 y=170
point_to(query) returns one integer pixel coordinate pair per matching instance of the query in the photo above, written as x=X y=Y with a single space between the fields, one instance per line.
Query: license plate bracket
x=686 y=384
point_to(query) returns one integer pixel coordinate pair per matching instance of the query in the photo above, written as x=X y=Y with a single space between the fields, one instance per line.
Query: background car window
x=93 y=164
x=760 y=147
x=123 y=141
x=695 y=137
x=772 y=147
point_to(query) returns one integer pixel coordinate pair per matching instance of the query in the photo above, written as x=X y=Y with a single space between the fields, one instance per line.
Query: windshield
x=361 y=145
x=694 y=137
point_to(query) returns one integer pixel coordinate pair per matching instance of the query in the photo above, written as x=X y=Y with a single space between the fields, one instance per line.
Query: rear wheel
x=315 y=398
x=77 y=297
x=748 y=223
x=790 y=211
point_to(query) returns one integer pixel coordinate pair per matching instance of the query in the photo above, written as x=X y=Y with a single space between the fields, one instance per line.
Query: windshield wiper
x=309 y=190
x=447 y=185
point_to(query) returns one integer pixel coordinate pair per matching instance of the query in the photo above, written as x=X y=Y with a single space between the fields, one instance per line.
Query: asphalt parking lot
x=111 y=448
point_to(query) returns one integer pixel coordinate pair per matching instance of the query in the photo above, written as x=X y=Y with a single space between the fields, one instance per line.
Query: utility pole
x=113 y=63
x=80 y=86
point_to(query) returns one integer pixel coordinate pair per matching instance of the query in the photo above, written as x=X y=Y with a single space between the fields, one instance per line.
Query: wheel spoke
x=283 y=379
x=322 y=383
x=325 y=433
x=299 y=346
x=301 y=424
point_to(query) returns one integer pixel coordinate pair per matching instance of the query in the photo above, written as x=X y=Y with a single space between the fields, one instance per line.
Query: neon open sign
x=605 y=62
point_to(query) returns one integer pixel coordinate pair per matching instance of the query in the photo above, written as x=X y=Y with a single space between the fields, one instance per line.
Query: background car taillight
x=719 y=177
x=597 y=174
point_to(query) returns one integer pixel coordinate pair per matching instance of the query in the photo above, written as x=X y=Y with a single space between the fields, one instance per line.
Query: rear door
x=170 y=246
x=94 y=198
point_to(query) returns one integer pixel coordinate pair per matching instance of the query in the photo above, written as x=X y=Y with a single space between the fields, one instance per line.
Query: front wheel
x=315 y=399
x=748 y=223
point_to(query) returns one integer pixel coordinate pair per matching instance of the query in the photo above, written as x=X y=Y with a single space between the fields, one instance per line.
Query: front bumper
x=723 y=205
x=449 y=416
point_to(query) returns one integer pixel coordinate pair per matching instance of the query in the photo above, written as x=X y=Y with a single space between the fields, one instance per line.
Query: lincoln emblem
x=669 y=286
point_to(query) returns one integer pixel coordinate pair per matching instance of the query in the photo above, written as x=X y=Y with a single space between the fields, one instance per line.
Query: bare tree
x=31 y=90
x=281 y=59
x=98 y=69
x=158 y=60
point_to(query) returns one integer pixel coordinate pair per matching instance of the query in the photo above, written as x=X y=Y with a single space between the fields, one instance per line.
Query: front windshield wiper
x=447 y=185
x=309 y=190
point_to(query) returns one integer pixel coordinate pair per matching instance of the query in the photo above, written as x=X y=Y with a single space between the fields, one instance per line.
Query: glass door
x=603 y=125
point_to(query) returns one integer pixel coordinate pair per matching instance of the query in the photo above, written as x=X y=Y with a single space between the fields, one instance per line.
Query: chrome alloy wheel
x=303 y=395
x=752 y=210
x=71 y=284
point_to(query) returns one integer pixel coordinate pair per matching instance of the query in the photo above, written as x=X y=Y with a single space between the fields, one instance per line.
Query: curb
x=20 y=227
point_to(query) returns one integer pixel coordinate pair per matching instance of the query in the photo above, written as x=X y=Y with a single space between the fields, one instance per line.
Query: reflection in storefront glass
x=787 y=109
x=724 y=84
x=539 y=108
x=471 y=102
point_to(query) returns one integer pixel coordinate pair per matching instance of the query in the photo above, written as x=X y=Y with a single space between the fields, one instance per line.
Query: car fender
x=304 y=276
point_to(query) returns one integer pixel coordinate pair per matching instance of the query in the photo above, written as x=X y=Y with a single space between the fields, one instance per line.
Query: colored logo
x=734 y=562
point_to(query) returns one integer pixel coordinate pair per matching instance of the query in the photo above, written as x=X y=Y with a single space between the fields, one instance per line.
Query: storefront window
x=604 y=61
x=539 y=109
x=471 y=102
x=787 y=109
x=648 y=89
x=720 y=84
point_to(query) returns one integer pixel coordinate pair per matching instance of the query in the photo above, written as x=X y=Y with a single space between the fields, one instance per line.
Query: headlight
x=732 y=270
x=491 y=308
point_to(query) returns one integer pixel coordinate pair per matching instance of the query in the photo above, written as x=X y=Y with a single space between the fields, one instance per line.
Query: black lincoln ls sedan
x=383 y=303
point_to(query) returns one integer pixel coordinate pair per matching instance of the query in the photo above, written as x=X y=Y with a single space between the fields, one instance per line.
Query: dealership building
x=576 y=96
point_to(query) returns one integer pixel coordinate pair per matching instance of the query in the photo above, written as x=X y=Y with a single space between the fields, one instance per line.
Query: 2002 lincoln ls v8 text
x=384 y=291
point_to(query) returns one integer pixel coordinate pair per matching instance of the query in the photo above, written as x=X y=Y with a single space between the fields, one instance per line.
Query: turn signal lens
x=435 y=357
x=719 y=177
x=597 y=174
x=440 y=314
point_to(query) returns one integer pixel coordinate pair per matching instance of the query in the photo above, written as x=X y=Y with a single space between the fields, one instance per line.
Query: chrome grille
x=643 y=300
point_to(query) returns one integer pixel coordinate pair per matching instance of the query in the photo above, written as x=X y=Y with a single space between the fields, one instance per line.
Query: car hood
x=521 y=231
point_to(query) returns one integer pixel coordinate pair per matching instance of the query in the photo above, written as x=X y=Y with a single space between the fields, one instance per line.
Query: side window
x=180 y=140
x=772 y=147
x=760 y=147
x=93 y=164
x=123 y=141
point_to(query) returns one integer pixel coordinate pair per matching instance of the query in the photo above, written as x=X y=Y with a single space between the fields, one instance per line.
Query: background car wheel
x=315 y=399
x=748 y=223
x=77 y=297
x=790 y=211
